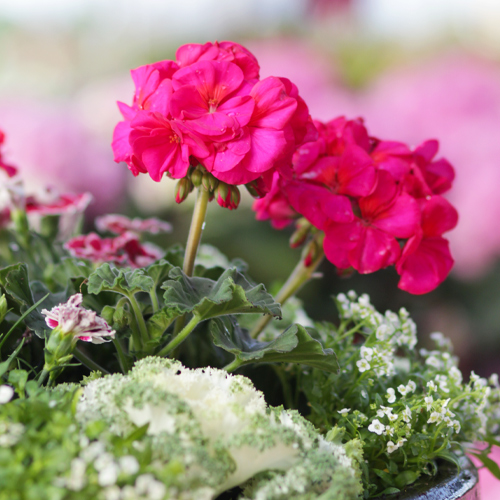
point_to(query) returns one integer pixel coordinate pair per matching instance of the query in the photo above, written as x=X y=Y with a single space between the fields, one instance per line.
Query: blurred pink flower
x=119 y=224
x=51 y=147
x=123 y=250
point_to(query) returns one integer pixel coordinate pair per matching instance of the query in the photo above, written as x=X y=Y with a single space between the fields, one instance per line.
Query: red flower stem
x=300 y=275
x=193 y=241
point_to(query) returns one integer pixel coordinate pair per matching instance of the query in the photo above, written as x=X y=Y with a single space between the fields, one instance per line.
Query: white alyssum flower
x=344 y=411
x=72 y=319
x=363 y=365
x=391 y=447
x=377 y=427
x=366 y=353
x=406 y=415
x=128 y=465
x=391 y=395
x=431 y=386
x=403 y=390
x=6 y=393
x=411 y=386
x=428 y=401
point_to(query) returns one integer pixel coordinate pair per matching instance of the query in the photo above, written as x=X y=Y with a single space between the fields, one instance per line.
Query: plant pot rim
x=447 y=484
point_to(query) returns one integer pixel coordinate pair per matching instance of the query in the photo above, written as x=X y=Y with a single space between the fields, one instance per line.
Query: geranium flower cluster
x=378 y=202
x=125 y=249
x=209 y=107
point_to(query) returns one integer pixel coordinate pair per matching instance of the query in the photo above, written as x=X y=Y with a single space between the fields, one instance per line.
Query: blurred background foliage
x=416 y=69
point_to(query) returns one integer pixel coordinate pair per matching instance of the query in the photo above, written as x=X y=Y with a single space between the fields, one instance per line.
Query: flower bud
x=223 y=195
x=205 y=181
x=257 y=188
x=311 y=254
x=183 y=188
x=196 y=177
x=303 y=228
x=235 y=197
x=213 y=182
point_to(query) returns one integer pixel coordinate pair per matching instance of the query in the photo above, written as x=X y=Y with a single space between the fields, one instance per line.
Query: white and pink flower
x=82 y=324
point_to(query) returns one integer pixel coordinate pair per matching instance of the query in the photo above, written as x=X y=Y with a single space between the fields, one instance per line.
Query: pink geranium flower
x=119 y=224
x=220 y=51
x=369 y=196
x=52 y=203
x=82 y=324
x=209 y=107
x=124 y=250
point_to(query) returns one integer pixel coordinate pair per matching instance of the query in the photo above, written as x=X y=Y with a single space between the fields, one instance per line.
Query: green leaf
x=450 y=457
x=159 y=271
x=405 y=478
x=385 y=476
x=294 y=345
x=489 y=464
x=14 y=280
x=389 y=491
x=230 y=294
x=491 y=440
x=159 y=322
x=5 y=365
x=69 y=268
x=125 y=281
x=18 y=379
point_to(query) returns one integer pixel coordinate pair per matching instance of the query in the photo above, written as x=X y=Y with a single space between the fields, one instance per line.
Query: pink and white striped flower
x=82 y=324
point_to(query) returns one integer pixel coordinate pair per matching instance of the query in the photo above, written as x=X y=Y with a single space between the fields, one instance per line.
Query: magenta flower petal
x=214 y=80
x=266 y=148
x=317 y=204
x=438 y=216
x=273 y=107
x=424 y=264
x=374 y=250
x=339 y=240
x=401 y=219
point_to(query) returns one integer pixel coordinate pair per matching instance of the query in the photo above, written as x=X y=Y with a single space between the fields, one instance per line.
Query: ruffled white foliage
x=224 y=433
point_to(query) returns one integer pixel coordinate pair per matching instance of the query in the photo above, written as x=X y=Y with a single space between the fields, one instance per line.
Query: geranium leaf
x=14 y=280
x=159 y=322
x=206 y=298
x=125 y=281
x=68 y=268
x=294 y=345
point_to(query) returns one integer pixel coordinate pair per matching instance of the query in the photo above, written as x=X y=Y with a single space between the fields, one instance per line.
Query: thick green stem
x=89 y=363
x=300 y=275
x=234 y=365
x=180 y=337
x=154 y=300
x=194 y=237
x=193 y=241
x=43 y=377
x=140 y=321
